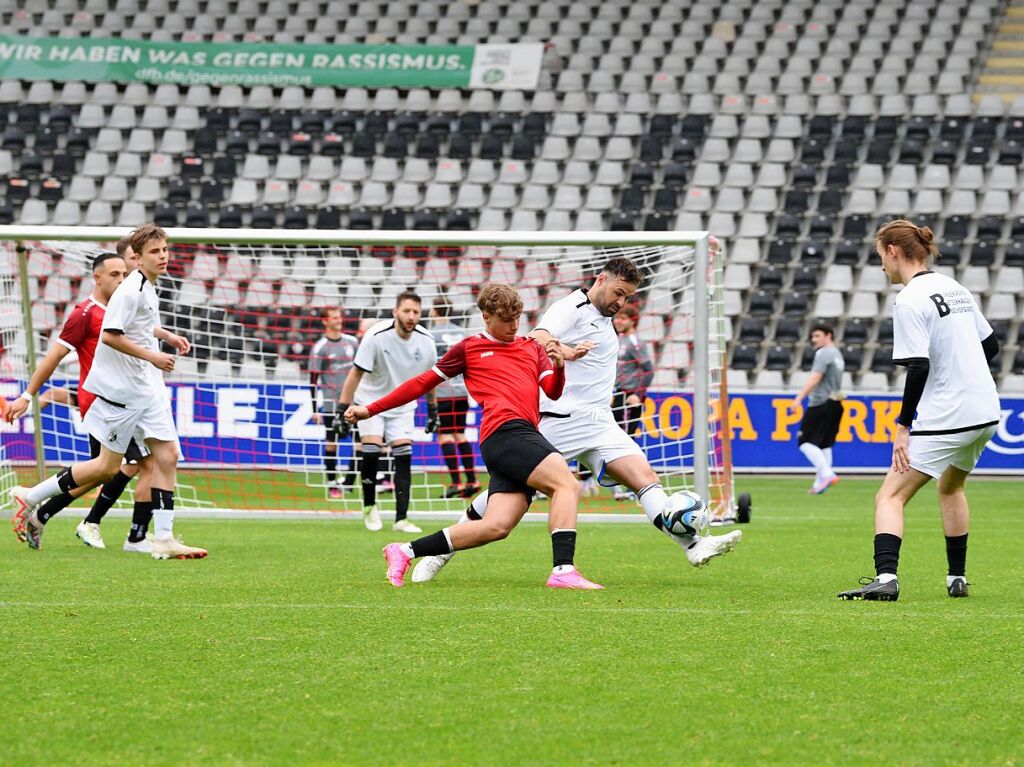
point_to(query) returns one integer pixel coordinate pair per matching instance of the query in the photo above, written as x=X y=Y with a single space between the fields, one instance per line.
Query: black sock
x=163 y=500
x=368 y=472
x=108 y=496
x=956 y=554
x=466 y=452
x=52 y=506
x=331 y=468
x=431 y=545
x=563 y=546
x=403 y=483
x=451 y=461
x=887 y=553
x=66 y=480
x=141 y=516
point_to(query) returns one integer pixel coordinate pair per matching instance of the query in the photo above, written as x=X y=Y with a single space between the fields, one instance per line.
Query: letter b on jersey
x=940 y=304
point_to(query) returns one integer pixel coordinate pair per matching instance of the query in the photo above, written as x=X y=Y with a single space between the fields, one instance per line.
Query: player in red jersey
x=501 y=371
x=81 y=334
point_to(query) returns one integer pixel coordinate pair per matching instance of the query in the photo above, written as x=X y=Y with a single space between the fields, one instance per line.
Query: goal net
x=252 y=303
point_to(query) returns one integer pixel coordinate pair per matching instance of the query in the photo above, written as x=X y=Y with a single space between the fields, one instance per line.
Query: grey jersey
x=828 y=361
x=636 y=371
x=446 y=335
x=330 y=360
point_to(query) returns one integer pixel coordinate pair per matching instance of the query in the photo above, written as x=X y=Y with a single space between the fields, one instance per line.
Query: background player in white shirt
x=132 y=401
x=391 y=352
x=581 y=424
x=950 y=405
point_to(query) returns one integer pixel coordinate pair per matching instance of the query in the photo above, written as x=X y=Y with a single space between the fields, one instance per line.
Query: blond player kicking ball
x=502 y=371
x=950 y=405
x=131 y=400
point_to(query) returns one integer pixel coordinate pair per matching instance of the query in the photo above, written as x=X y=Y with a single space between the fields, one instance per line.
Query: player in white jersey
x=391 y=352
x=581 y=424
x=131 y=398
x=950 y=405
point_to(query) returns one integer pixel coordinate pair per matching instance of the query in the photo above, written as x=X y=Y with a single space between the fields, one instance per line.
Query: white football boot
x=371 y=518
x=428 y=567
x=707 y=547
x=405 y=526
x=172 y=548
x=89 y=534
x=145 y=546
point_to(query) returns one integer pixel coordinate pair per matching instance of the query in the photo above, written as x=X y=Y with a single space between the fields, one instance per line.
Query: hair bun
x=926 y=235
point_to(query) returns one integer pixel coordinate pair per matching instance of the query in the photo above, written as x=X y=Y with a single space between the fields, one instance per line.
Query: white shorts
x=114 y=427
x=390 y=427
x=592 y=437
x=932 y=454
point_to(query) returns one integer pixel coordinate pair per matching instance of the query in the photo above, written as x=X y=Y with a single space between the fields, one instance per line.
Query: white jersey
x=936 y=318
x=590 y=381
x=388 y=360
x=120 y=378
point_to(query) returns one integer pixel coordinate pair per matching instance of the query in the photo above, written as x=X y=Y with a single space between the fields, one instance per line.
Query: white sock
x=829 y=471
x=163 y=522
x=886 y=577
x=44 y=491
x=561 y=569
x=951 y=578
x=816 y=457
x=479 y=504
x=407 y=550
x=653 y=500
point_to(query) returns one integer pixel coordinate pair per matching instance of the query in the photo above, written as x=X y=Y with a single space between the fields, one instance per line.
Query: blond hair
x=499 y=299
x=916 y=242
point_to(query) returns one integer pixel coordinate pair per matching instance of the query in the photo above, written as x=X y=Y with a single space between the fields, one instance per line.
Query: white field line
x=511 y=609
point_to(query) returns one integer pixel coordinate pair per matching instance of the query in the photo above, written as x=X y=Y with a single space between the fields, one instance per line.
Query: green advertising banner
x=495 y=67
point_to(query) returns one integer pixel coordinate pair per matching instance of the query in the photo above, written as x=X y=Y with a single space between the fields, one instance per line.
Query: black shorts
x=133 y=455
x=820 y=424
x=73 y=397
x=333 y=422
x=511 y=453
x=451 y=413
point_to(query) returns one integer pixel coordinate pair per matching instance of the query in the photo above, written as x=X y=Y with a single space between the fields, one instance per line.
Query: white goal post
x=251 y=301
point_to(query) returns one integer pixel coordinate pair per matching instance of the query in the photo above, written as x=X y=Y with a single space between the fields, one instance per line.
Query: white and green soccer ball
x=685 y=513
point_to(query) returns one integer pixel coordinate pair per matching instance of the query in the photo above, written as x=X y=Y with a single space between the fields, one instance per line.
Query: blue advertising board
x=272 y=425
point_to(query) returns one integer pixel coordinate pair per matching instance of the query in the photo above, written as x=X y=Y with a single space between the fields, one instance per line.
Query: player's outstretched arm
x=569 y=353
x=117 y=341
x=412 y=389
x=18 y=407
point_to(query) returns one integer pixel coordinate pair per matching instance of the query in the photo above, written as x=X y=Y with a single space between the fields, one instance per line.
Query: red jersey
x=81 y=333
x=502 y=377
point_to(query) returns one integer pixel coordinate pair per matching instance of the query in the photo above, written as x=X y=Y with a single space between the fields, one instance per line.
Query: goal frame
x=700 y=241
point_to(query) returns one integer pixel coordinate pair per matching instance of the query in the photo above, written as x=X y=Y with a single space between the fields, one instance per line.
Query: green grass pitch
x=287 y=647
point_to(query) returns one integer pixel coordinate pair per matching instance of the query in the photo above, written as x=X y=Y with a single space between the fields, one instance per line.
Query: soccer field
x=287 y=646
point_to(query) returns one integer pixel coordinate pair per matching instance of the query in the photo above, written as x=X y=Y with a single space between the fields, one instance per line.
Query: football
x=685 y=514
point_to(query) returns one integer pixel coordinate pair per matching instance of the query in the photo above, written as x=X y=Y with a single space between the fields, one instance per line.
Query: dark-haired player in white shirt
x=392 y=351
x=950 y=405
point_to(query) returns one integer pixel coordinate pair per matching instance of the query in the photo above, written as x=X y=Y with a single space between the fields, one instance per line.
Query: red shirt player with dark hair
x=502 y=372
